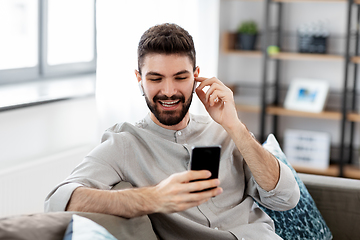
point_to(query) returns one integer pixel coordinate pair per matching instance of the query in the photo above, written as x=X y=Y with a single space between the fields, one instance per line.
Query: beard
x=171 y=117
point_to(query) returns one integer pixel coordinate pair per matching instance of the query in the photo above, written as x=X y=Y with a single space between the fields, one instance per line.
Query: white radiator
x=23 y=188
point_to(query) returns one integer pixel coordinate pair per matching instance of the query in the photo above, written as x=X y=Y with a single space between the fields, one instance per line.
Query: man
x=154 y=156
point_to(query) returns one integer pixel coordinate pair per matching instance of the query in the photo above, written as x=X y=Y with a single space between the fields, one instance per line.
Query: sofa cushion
x=52 y=226
x=304 y=221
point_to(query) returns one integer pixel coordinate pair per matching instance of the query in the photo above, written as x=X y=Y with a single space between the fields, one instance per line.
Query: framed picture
x=307 y=95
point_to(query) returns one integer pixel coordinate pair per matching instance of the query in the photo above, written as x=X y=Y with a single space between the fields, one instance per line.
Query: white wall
x=39 y=147
x=25 y=186
x=34 y=132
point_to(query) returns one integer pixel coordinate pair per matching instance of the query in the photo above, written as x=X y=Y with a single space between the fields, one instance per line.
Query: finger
x=205 y=82
x=185 y=201
x=201 y=95
x=181 y=200
x=203 y=184
x=215 y=98
x=209 y=81
x=188 y=176
x=200 y=196
x=200 y=79
x=211 y=90
x=216 y=94
x=195 y=199
x=198 y=174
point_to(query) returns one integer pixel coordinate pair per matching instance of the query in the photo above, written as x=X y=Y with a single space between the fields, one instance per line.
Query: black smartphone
x=206 y=158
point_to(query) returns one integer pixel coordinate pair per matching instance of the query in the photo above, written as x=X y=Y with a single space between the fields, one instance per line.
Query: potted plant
x=246 y=35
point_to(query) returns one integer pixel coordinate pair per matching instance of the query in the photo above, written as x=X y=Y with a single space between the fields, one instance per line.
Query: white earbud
x=141 y=89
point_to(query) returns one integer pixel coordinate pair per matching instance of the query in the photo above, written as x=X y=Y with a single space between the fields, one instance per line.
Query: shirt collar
x=171 y=135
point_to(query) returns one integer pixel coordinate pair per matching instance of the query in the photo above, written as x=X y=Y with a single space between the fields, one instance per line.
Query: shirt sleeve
x=284 y=196
x=100 y=170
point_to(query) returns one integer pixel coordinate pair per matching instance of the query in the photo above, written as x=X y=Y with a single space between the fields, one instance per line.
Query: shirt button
x=179 y=133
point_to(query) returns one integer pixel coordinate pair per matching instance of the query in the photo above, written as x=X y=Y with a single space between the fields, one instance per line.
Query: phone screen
x=206 y=158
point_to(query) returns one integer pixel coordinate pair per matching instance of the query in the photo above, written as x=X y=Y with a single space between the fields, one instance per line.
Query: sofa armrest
x=52 y=226
x=338 y=200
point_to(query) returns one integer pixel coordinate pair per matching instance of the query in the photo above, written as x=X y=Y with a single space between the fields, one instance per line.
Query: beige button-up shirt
x=146 y=154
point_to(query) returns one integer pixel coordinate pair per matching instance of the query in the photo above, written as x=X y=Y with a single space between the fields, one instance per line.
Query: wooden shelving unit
x=341 y=116
x=228 y=46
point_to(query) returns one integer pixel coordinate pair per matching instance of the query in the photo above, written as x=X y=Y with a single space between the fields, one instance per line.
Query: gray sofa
x=337 y=199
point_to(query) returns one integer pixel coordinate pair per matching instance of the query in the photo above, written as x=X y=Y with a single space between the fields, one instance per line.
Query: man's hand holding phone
x=178 y=192
x=188 y=189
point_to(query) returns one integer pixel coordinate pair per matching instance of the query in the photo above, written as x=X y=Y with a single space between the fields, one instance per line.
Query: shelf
x=245 y=53
x=332 y=170
x=247 y=108
x=352 y=172
x=332 y=115
x=306 y=56
x=356 y=59
x=273 y=110
x=228 y=46
x=353 y=117
x=280 y=111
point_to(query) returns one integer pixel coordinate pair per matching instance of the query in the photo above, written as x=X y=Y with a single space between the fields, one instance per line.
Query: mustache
x=172 y=98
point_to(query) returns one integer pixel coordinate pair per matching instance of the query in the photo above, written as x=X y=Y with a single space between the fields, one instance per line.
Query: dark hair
x=166 y=39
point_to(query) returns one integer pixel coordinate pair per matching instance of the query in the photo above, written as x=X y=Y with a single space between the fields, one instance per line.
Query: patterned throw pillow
x=304 y=221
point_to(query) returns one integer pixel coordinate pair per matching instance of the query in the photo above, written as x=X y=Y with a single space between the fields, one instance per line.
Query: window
x=46 y=38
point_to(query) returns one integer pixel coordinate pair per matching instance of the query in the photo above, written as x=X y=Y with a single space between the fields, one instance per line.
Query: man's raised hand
x=218 y=101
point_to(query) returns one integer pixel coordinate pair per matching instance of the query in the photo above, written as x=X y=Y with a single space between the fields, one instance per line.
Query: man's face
x=168 y=82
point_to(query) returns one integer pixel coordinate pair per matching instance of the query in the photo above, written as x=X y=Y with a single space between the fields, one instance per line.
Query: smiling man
x=154 y=154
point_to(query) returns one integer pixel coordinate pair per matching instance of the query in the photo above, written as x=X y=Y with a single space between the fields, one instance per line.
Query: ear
x=197 y=71
x=138 y=75
x=196 y=74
